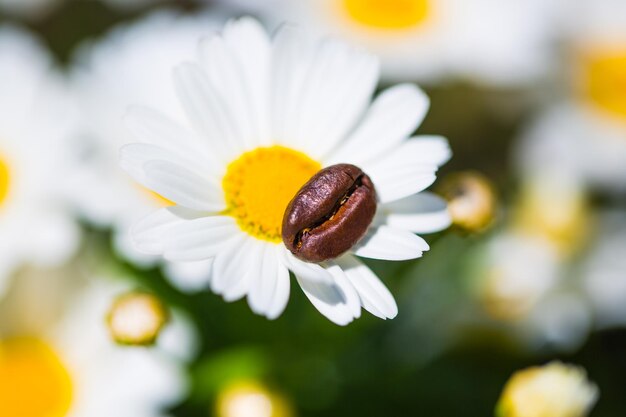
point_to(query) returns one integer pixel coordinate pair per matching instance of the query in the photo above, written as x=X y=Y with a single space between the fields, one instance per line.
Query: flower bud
x=471 y=200
x=552 y=390
x=136 y=318
x=251 y=399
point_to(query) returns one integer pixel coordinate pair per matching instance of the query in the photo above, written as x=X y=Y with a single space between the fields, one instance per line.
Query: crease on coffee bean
x=358 y=182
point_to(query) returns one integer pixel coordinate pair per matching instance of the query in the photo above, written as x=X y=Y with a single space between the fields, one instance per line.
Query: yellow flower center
x=388 y=14
x=33 y=381
x=4 y=180
x=604 y=81
x=259 y=185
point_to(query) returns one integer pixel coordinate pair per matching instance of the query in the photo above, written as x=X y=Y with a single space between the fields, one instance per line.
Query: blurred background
x=532 y=97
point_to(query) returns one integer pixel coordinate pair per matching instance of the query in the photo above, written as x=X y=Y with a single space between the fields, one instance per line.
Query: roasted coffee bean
x=329 y=214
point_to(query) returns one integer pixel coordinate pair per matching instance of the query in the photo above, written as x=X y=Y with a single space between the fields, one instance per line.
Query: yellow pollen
x=33 y=381
x=388 y=14
x=4 y=180
x=259 y=185
x=604 y=80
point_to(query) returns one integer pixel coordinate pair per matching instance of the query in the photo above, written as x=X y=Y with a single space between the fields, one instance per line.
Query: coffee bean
x=329 y=214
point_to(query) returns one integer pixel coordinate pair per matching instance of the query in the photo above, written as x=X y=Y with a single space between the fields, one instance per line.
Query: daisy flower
x=524 y=276
x=484 y=40
x=264 y=116
x=131 y=64
x=522 y=283
x=36 y=120
x=65 y=359
x=584 y=131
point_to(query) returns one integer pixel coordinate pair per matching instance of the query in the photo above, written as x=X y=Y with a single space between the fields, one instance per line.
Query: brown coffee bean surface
x=329 y=214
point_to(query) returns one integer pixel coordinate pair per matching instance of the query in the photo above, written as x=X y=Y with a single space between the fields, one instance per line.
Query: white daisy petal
x=252 y=264
x=353 y=302
x=148 y=233
x=251 y=46
x=374 y=295
x=199 y=239
x=281 y=295
x=152 y=127
x=224 y=77
x=183 y=186
x=206 y=111
x=135 y=156
x=401 y=182
x=229 y=266
x=419 y=213
x=336 y=92
x=393 y=116
x=237 y=66
x=329 y=299
x=306 y=270
x=190 y=276
x=292 y=54
x=408 y=169
x=392 y=244
x=263 y=288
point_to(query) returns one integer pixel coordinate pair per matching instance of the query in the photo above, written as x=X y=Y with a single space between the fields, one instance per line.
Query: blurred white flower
x=264 y=116
x=574 y=140
x=132 y=64
x=28 y=8
x=584 y=130
x=37 y=119
x=525 y=276
x=552 y=390
x=73 y=368
x=489 y=41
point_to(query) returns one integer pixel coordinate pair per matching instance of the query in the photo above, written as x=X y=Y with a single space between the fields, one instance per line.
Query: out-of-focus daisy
x=36 y=120
x=70 y=367
x=131 y=64
x=554 y=390
x=266 y=115
x=28 y=8
x=585 y=130
x=485 y=40
x=524 y=277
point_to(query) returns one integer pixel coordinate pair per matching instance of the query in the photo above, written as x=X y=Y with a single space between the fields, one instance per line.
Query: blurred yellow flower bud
x=552 y=390
x=251 y=399
x=471 y=200
x=136 y=318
